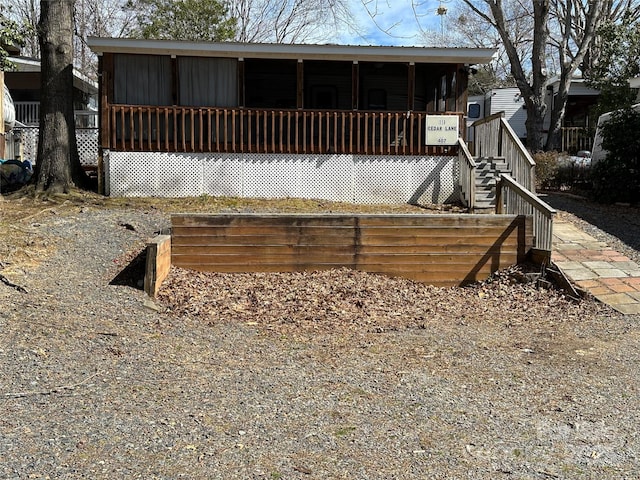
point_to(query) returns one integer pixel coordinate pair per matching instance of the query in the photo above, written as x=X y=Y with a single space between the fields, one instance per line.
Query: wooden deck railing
x=513 y=198
x=575 y=139
x=186 y=129
x=28 y=112
x=494 y=137
x=467 y=174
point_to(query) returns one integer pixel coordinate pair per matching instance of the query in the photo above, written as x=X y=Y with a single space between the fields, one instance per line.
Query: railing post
x=499 y=202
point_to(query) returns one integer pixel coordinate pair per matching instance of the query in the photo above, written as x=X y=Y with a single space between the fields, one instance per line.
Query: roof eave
x=291 y=51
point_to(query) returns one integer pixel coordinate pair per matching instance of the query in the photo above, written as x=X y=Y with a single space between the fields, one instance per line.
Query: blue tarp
x=14 y=173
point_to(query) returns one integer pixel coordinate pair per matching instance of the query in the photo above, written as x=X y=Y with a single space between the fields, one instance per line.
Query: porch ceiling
x=288 y=51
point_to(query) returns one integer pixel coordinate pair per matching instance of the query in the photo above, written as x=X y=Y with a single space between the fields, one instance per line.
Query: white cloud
x=392 y=22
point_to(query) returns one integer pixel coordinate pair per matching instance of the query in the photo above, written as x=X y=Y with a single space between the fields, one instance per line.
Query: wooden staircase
x=487 y=171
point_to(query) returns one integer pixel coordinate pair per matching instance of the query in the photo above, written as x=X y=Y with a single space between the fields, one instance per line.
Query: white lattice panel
x=347 y=178
x=435 y=180
x=303 y=176
x=381 y=179
x=29 y=138
x=143 y=174
x=86 y=139
x=222 y=175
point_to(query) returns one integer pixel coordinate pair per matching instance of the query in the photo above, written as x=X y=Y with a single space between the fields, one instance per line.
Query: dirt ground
x=323 y=375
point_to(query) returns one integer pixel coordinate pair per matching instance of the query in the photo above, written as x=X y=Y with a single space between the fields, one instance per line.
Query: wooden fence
x=442 y=250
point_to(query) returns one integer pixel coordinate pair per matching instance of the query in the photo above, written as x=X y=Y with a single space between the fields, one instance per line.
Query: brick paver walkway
x=593 y=266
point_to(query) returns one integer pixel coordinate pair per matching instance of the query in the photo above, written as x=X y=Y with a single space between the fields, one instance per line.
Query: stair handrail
x=486 y=133
x=467 y=174
x=515 y=199
x=494 y=137
x=520 y=161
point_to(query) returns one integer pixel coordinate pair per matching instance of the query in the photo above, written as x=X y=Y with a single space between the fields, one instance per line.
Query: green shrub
x=617 y=178
x=559 y=171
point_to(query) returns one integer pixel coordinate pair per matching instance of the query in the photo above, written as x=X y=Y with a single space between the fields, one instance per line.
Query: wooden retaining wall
x=442 y=250
x=158 y=263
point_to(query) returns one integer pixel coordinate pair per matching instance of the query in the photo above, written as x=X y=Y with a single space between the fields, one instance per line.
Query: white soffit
x=291 y=51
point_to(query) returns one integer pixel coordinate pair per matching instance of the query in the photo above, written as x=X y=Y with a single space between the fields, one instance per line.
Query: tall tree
x=289 y=21
x=12 y=34
x=562 y=41
x=58 y=166
x=184 y=19
x=531 y=87
x=619 y=61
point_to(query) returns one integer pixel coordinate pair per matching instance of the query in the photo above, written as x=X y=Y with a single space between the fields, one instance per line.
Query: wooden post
x=499 y=199
x=300 y=85
x=241 y=99
x=411 y=86
x=355 y=78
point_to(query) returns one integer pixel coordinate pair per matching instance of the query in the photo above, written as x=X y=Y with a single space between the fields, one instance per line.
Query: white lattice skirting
x=86 y=138
x=343 y=178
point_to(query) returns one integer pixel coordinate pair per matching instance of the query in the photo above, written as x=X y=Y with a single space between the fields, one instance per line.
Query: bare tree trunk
x=58 y=166
x=532 y=90
x=591 y=18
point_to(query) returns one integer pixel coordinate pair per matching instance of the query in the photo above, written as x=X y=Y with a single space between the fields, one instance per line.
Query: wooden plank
x=438 y=244
x=254 y=240
x=316 y=248
x=261 y=220
x=443 y=274
x=132 y=140
x=280 y=254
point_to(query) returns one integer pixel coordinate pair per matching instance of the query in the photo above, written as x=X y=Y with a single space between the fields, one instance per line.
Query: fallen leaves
x=343 y=300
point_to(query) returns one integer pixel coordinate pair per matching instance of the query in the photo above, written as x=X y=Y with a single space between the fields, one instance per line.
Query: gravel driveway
x=325 y=375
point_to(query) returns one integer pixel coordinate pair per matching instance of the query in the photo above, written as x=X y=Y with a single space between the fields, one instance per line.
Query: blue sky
x=395 y=16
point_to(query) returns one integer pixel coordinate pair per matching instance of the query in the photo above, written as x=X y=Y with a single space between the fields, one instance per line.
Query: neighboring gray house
x=577 y=127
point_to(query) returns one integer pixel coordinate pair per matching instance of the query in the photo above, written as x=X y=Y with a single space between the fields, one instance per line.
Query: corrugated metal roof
x=293 y=51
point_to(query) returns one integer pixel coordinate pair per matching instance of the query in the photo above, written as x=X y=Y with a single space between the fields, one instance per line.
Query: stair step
x=486 y=181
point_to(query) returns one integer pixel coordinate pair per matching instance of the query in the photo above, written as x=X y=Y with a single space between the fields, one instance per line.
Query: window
x=473 y=110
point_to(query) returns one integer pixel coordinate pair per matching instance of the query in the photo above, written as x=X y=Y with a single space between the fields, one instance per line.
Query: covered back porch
x=293 y=99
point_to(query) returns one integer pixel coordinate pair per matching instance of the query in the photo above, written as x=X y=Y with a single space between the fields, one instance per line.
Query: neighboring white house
x=507 y=100
x=598 y=153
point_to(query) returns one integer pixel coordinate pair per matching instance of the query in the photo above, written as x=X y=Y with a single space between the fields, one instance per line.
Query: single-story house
x=348 y=123
x=578 y=125
x=24 y=83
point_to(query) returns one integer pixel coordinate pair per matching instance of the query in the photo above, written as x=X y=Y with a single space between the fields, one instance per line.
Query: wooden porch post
x=462 y=81
x=241 y=99
x=105 y=69
x=174 y=79
x=300 y=85
x=355 y=85
x=411 y=84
